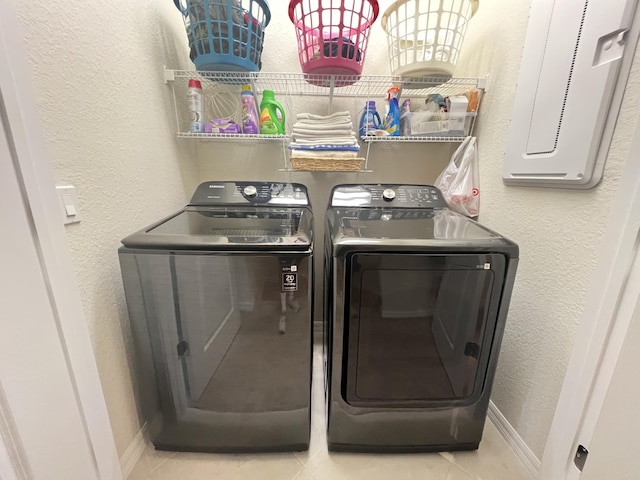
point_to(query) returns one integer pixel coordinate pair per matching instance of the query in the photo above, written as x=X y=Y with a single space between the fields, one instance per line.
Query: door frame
x=35 y=174
x=613 y=296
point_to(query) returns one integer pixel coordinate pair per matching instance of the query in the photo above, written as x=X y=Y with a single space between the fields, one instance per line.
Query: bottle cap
x=371 y=104
x=193 y=83
x=246 y=88
x=268 y=94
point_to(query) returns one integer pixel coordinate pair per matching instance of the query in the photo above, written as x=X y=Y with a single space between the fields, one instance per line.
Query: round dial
x=389 y=194
x=250 y=191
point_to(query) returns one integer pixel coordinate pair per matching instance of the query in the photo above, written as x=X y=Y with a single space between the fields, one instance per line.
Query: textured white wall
x=109 y=126
x=108 y=123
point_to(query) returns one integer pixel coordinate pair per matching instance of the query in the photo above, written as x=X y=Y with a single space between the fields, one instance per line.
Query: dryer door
x=420 y=327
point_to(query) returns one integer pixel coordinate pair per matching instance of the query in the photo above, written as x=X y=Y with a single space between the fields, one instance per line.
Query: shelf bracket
x=482 y=82
x=284 y=152
x=332 y=84
x=366 y=158
x=169 y=75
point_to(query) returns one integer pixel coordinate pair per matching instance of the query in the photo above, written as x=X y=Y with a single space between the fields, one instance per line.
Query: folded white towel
x=311 y=116
x=339 y=118
x=324 y=126
x=305 y=132
x=352 y=141
x=323 y=154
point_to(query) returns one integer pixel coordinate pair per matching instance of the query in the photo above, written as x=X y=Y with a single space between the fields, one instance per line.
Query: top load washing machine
x=416 y=299
x=220 y=302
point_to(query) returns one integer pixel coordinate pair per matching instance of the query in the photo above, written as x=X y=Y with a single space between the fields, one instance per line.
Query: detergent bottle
x=196 y=106
x=250 y=119
x=392 y=120
x=370 y=119
x=271 y=115
x=405 y=118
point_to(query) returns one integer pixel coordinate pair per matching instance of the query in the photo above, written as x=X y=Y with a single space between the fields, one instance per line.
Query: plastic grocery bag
x=460 y=181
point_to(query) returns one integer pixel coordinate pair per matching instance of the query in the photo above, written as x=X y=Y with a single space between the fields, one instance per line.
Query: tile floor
x=494 y=460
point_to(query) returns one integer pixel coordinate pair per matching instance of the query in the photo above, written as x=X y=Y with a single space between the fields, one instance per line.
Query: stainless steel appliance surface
x=415 y=303
x=220 y=302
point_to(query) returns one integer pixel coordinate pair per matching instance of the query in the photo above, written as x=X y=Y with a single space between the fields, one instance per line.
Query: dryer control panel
x=390 y=196
x=250 y=194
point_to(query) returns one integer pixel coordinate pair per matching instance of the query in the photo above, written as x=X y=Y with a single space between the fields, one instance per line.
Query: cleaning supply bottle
x=271 y=115
x=370 y=119
x=195 y=100
x=405 y=118
x=250 y=119
x=392 y=120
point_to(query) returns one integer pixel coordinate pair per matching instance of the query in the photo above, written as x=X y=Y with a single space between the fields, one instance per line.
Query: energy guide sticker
x=290 y=278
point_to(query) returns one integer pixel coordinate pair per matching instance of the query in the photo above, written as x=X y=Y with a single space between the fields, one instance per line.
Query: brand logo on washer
x=213 y=185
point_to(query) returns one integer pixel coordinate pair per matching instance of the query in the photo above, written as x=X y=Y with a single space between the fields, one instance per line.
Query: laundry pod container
x=225 y=35
x=332 y=37
x=425 y=36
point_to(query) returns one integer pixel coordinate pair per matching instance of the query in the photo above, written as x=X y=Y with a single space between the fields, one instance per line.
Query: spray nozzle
x=393 y=92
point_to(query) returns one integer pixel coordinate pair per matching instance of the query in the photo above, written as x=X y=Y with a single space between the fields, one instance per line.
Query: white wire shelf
x=325 y=172
x=222 y=90
x=235 y=137
x=252 y=138
x=364 y=86
x=415 y=139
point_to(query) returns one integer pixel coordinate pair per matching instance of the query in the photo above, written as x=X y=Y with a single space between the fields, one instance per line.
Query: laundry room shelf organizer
x=325 y=94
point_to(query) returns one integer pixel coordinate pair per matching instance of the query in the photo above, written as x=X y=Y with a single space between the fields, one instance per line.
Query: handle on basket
x=262 y=3
x=179 y=7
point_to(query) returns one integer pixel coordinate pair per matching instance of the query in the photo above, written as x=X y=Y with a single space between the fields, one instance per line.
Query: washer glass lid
x=229 y=227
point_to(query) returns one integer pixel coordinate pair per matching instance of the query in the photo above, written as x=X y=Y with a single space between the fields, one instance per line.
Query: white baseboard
x=519 y=447
x=133 y=453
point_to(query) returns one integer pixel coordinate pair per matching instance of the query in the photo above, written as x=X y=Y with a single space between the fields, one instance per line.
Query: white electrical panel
x=560 y=132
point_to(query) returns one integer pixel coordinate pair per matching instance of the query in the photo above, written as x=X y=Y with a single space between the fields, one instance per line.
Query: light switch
x=68 y=204
x=69 y=208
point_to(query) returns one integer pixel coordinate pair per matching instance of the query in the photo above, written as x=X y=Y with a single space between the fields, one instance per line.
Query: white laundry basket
x=425 y=36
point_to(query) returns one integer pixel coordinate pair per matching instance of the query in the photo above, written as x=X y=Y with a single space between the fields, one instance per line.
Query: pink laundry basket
x=332 y=37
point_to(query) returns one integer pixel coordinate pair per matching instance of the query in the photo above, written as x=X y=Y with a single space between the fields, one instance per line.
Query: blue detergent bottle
x=370 y=119
x=392 y=121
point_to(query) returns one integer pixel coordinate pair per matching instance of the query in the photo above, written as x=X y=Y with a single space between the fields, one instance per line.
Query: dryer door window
x=419 y=327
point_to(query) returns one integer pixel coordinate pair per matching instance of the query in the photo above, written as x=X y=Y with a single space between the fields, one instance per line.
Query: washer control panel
x=396 y=196
x=250 y=193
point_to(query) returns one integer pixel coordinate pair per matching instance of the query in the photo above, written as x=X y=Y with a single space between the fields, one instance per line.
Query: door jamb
x=612 y=298
x=38 y=182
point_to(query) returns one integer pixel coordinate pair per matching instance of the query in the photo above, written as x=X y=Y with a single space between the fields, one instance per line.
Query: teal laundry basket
x=225 y=35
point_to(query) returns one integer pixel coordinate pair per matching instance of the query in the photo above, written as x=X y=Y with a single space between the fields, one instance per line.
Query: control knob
x=388 y=194
x=250 y=191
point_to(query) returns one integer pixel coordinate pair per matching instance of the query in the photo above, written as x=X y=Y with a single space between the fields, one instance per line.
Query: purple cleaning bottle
x=249 y=111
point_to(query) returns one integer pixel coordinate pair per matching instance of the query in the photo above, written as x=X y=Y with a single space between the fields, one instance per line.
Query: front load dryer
x=220 y=301
x=415 y=303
